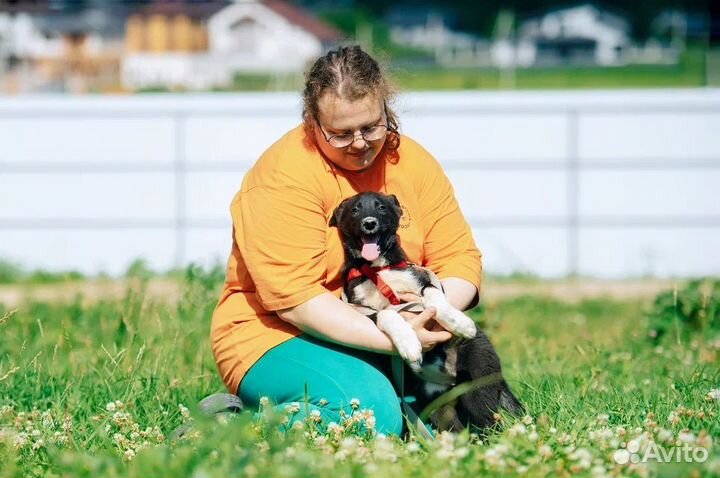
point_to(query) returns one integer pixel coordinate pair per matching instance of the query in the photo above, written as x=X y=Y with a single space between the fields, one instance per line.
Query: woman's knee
x=376 y=393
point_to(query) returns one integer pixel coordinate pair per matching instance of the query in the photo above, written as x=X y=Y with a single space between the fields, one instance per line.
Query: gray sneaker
x=214 y=405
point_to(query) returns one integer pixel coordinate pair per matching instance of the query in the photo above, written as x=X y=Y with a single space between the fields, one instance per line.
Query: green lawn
x=95 y=388
x=690 y=72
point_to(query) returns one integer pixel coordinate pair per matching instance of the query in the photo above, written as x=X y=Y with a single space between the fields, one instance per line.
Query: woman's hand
x=429 y=332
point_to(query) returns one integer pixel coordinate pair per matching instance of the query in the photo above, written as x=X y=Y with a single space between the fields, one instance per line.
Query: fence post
x=180 y=193
x=573 y=193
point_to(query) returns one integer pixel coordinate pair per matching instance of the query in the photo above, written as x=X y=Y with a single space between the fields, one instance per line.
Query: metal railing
x=571 y=221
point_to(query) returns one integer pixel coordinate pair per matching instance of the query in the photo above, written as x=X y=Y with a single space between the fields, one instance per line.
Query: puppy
x=458 y=362
x=376 y=269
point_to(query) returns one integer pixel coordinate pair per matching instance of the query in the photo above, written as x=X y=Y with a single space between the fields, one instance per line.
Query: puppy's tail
x=509 y=402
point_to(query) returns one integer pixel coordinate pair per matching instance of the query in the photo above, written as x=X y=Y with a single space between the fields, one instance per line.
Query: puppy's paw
x=457 y=323
x=416 y=367
x=410 y=349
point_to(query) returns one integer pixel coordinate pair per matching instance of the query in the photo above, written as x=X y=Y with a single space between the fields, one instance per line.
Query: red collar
x=366 y=270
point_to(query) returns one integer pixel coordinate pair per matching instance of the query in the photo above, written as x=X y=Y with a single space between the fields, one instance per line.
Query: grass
x=688 y=73
x=95 y=388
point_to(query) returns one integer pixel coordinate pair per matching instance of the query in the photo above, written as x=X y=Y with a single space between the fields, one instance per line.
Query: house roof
x=305 y=20
x=205 y=9
x=190 y=8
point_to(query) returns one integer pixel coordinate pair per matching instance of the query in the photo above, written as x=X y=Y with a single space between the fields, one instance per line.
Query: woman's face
x=340 y=116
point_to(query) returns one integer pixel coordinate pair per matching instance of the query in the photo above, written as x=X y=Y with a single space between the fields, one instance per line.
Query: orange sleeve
x=449 y=247
x=280 y=230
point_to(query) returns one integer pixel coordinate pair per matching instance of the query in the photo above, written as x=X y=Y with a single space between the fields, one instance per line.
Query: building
x=200 y=46
x=433 y=30
x=583 y=34
x=42 y=48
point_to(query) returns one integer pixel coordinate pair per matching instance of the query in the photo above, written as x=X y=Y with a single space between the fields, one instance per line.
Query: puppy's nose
x=369 y=225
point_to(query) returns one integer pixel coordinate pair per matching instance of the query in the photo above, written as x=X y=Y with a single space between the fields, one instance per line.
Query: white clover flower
x=354 y=403
x=686 y=436
x=581 y=454
x=129 y=454
x=323 y=402
x=60 y=438
x=412 y=447
x=545 y=451
x=462 y=452
x=533 y=436
x=598 y=471
x=315 y=415
x=552 y=430
x=348 y=443
x=517 y=429
x=527 y=420
x=20 y=440
x=184 y=411
x=321 y=440
x=665 y=435
x=264 y=401
x=713 y=395
x=119 y=405
x=495 y=455
x=603 y=418
x=333 y=427
x=294 y=407
x=110 y=407
x=297 y=425
x=673 y=418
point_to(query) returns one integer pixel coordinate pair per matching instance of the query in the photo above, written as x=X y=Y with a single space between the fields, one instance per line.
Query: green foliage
x=139 y=269
x=12 y=273
x=684 y=313
x=96 y=388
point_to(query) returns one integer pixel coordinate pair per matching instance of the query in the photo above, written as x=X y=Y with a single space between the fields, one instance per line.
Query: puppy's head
x=368 y=223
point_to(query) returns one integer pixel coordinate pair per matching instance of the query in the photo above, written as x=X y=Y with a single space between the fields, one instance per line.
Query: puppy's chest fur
x=410 y=279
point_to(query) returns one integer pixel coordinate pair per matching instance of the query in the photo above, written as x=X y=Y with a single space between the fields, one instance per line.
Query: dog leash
x=398 y=371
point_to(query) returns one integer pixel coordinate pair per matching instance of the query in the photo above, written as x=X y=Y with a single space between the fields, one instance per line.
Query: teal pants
x=332 y=372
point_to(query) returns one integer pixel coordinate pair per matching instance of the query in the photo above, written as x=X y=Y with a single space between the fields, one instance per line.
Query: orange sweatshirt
x=284 y=253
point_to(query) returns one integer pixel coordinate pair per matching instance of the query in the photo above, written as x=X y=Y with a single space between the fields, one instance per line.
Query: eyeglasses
x=372 y=133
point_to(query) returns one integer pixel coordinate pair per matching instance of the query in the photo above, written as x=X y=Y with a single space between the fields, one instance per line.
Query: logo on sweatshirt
x=405 y=219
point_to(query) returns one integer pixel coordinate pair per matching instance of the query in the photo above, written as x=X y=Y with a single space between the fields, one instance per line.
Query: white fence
x=608 y=184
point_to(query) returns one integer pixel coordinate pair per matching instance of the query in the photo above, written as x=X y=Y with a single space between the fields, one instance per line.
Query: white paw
x=410 y=349
x=457 y=323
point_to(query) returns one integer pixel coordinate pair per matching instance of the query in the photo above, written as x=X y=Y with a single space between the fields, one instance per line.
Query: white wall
x=607 y=184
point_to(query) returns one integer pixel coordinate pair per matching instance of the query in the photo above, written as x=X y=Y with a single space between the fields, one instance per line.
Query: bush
x=690 y=310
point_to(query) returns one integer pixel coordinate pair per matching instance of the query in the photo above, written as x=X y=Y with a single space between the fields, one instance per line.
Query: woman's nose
x=358 y=141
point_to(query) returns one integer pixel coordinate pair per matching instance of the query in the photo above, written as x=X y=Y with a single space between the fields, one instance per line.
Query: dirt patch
x=169 y=290
x=575 y=290
x=91 y=291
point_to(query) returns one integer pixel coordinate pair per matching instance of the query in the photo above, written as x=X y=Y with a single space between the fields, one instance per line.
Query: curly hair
x=350 y=73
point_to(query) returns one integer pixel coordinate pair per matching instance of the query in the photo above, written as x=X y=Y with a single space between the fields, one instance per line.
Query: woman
x=280 y=325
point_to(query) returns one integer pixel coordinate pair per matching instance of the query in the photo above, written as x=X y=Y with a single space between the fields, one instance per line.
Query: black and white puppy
x=376 y=269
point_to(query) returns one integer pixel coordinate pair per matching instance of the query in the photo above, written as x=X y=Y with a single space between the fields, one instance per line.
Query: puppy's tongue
x=370 y=251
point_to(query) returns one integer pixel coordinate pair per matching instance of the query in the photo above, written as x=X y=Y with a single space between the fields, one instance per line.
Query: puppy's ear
x=396 y=204
x=337 y=213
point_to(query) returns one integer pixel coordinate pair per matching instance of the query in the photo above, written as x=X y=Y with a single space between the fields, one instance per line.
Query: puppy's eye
x=381 y=208
x=355 y=210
